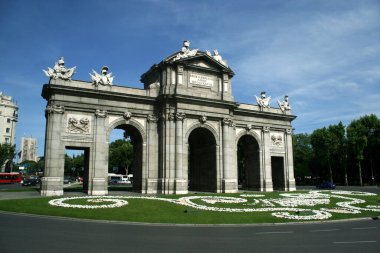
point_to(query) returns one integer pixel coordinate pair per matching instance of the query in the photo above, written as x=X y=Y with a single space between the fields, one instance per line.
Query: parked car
x=66 y=180
x=30 y=182
x=326 y=185
x=114 y=181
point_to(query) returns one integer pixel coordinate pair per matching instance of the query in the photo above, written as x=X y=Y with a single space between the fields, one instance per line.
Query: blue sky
x=324 y=54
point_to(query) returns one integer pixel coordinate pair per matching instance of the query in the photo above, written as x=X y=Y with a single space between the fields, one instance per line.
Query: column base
x=181 y=186
x=229 y=186
x=268 y=186
x=98 y=187
x=51 y=186
x=166 y=186
x=292 y=185
x=151 y=186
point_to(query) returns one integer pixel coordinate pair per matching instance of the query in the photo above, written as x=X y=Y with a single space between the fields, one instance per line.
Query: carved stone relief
x=78 y=124
x=277 y=140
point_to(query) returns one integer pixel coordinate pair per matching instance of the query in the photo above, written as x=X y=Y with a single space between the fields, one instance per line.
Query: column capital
x=100 y=113
x=55 y=109
x=266 y=129
x=227 y=121
x=289 y=131
x=152 y=118
x=180 y=116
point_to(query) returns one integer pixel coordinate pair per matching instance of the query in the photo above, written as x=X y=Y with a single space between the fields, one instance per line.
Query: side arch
x=140 y=149
x=251 y=133
x=249 y=160
x=204 y=125
x=121 y=121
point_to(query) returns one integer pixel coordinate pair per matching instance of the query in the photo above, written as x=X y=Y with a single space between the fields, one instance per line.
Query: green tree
x=303 y=153
x=339 y=151
x=357 y=139
x=7 y=153
x=324 y=145
x=365 y=136
x=121 y=155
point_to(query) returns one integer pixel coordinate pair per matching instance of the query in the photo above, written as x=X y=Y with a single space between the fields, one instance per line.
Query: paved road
x=25 y=233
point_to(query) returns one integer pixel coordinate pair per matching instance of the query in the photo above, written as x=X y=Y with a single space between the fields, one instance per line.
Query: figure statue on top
x=103 y=79
x=263 y=101
x=59 y=71
x=284 y=105
x=185 y=51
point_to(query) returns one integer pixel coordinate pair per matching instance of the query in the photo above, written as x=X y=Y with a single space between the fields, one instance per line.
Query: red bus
x=8 y=178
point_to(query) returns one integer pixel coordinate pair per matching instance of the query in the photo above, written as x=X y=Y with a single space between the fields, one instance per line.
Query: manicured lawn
x=161 y=211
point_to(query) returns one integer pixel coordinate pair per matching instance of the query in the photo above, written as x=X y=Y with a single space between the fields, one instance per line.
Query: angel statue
x=60 y=71
x=219 y=58
x=284 y=105
x=263 y=102
x=103 y=79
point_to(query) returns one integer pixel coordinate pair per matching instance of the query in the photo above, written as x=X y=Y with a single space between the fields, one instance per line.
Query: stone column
x=180 y=181
x=99 y=155
x=52 y=182
x=289 y=155
x=267 y=159
x=229 y=182
x=152 y=157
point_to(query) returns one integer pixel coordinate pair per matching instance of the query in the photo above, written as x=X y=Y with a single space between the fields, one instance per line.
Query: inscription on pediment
x=201 y=79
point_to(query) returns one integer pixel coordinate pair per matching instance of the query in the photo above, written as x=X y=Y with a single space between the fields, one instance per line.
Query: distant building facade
x=28 y=149
x=8 y=119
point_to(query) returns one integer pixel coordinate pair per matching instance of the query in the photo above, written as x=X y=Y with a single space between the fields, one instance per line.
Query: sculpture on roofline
x=263 y=101
x=103 y=79
x=216 y=56
x=284 y=105
x=59 y=71
x=185 y=51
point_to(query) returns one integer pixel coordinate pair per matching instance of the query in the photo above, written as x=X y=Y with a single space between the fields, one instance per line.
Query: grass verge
x=156 y=211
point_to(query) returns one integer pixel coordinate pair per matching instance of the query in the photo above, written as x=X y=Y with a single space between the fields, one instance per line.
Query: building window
x=6 y=140
x=8 y=120
x=7 y=130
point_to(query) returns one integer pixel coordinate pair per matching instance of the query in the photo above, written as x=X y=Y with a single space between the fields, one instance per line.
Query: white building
x=8 y=119
x=28 y=149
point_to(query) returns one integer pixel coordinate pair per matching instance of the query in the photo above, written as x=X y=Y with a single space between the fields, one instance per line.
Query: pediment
x=203 y=60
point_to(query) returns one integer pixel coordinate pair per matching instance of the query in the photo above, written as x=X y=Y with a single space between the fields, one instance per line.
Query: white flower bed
x=286 y=207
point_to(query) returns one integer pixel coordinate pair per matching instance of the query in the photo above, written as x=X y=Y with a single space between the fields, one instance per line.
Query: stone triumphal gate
x=188 y=132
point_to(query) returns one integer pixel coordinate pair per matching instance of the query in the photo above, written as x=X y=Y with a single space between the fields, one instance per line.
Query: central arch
x=202 y=174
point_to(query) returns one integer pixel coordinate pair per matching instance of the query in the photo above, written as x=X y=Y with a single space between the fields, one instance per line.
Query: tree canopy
x=339 y=153
x=7 y=153
x=121 y=156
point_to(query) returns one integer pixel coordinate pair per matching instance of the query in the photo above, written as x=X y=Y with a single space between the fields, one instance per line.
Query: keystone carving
x=127 y=115
x=203 y=119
